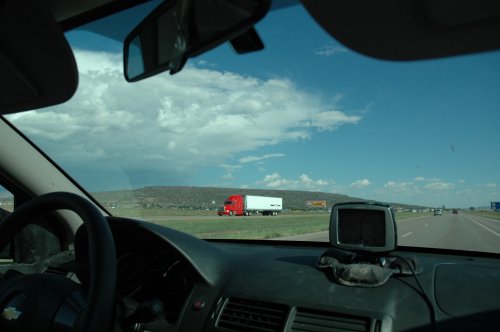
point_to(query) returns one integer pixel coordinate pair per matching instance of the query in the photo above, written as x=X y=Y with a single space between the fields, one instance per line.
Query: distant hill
x=211 y=197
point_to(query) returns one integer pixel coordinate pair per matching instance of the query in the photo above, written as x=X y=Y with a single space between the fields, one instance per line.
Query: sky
x=305 y=114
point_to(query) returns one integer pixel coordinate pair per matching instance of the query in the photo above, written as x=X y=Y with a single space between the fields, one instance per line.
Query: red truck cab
x=234 y=205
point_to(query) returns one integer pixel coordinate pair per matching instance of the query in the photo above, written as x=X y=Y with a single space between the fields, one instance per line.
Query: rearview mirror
x=179 y=29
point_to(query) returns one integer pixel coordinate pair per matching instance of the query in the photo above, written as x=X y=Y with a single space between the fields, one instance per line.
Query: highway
x=450 y=231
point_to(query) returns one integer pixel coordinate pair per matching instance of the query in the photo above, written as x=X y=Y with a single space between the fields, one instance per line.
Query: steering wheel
x=47 y=302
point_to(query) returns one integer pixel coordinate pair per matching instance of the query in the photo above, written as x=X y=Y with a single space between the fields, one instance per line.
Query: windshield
x=288 y=132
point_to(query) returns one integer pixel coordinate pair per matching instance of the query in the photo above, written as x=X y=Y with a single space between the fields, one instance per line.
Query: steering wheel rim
x=98 y=314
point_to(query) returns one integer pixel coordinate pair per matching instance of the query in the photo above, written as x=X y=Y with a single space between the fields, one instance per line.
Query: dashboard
x=151 y=272
x=277 y=286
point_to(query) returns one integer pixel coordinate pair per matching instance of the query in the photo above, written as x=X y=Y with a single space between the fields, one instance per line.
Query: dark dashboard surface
x=274 y=286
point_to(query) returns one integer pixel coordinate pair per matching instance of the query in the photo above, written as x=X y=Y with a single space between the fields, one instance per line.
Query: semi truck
x=246 y=205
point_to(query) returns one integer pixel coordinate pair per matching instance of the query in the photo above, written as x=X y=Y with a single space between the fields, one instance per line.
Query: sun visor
x=37 y=66
x=410 y=29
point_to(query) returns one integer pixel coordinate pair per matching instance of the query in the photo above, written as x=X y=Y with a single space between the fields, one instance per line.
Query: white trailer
x=262 y=204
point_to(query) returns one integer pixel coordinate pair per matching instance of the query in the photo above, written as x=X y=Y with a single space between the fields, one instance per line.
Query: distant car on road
x=438 y=212
x=454 y=211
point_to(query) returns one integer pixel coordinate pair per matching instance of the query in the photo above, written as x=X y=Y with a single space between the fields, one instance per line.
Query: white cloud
x=491 y=185
x=466 y=192
x=306 y=181
x=403 y=186
x=422 y=179
x=330 y=50
x=228 y=176
x=439 y=185
x=250 y=159
x=435 y=192
x=390 y=184
x=186 y=121
x=275 y=181
x=303 y=182
x=328 y=121
x=230 y=168
x=361 y=183
x=203 y=63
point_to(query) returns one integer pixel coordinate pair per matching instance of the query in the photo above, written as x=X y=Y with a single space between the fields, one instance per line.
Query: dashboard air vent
x=307 y=320
x=250 y=316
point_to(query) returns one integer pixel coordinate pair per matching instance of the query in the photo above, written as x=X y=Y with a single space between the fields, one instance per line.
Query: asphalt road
x=451 y=231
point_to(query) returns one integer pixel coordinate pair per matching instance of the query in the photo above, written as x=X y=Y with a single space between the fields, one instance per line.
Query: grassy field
x=408 y=215
x=250 y=227
x=159 y=212
x=207 y=225
x=487 y=214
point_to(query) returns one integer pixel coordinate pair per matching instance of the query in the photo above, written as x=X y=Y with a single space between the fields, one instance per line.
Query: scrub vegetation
x=203 y=198
x=486 y=214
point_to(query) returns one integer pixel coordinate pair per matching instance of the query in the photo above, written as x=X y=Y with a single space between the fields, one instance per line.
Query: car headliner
x=420 y=29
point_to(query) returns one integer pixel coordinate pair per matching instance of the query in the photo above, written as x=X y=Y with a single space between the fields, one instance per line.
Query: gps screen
x=361 y=227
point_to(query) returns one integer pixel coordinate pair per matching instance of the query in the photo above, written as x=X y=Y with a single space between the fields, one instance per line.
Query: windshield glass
x=288 y=131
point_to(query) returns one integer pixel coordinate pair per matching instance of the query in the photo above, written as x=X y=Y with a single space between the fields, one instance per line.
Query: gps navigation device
x=363 y=226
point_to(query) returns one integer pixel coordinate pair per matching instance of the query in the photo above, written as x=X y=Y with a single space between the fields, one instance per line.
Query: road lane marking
x=486 y=228
x=409 y=233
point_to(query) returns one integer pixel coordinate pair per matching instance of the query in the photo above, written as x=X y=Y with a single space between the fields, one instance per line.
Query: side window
x=6 y=203
x=6 y=207
x=38 y=240
x=35 y=243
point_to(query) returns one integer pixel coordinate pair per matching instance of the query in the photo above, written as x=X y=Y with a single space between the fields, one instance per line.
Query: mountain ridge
x=212 y=197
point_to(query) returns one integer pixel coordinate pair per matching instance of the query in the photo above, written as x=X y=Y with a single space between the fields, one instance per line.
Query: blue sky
x=424 y=120
x=422 y=132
